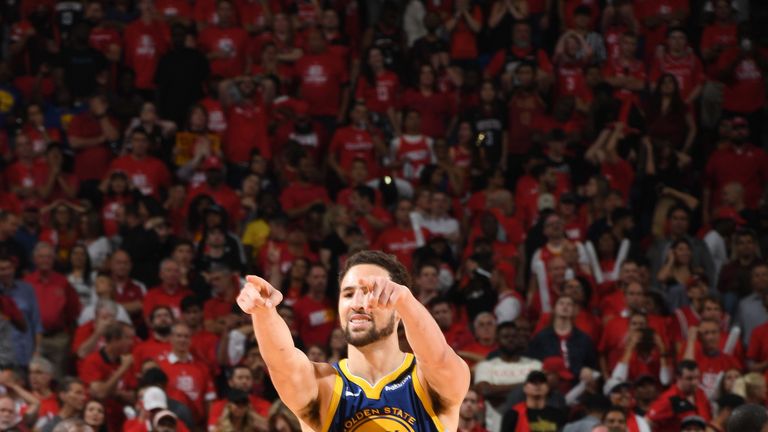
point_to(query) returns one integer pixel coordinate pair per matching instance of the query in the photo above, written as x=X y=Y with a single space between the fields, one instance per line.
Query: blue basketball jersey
x=397 y=403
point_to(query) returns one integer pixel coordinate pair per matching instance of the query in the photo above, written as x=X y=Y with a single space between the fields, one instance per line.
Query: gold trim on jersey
x=338 y=388
x=426 y=401
x=374 y=391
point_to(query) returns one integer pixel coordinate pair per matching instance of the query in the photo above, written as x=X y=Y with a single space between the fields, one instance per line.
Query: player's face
x=363 y=326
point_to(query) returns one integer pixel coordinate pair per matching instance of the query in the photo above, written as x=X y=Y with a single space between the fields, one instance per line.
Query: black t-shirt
x=548 y=419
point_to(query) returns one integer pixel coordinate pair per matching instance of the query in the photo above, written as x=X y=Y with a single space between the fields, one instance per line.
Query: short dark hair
x=67 y=382
x=614 y=408
x=153 y=376
x=438 y=301
x=189 y=302
x=157 y=308
x=397 y=271
x=686 y=365
x=749 y=417
x=366 y=192
x=115 y=331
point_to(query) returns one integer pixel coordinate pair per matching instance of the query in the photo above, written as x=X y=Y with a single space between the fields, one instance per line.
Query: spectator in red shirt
x=625 y=72
x=371 y=219
x=246 y=122
x=437 y=108
x=402 y=239
x=156 y=347
x=59 y=307
x=304 y=193
x=681 y=400
x=323 y=81
x=28 y=174
x=205 y=343
x=411 y=152
x=484 y=330
x=146 y=40
x=520 y=51
x=169 y=292
x=38 y=132
x=463 y=26
x=355 y=141
x=89 y=133
x=721 y=34
x=188 y=378
x=456 y=333
x=225 y=43
x=738 y=161
x=703 y=347
x=40 y=380
x=72 y=396
x=215 y=187
x=103 y=37
x=148 y=174
x=657 y=17
x=677 y=58
x=315 y=314
x=240 y=378
x=104 y=372
x=89 y=337
x=128 y=292
x=380 y=89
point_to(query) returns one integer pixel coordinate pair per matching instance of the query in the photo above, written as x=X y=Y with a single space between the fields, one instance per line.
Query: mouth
x=358 y=321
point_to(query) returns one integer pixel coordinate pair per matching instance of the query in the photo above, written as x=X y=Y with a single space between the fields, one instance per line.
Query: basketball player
x=379 y=387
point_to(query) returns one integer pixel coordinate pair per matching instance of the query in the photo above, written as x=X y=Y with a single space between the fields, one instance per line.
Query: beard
x=372 y=335
x=162 y=331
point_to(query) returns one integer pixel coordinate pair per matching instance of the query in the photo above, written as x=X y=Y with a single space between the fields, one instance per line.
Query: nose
x=358 y=299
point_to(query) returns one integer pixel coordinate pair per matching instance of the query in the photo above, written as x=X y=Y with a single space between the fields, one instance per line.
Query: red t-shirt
x=322 y=78
x=523 y=108
x=619 y=68
x=718 y=35
x=350 y=143
x=299 y=194
x=158 y=296
x=435 y=109
x=189 y=379
x=217 y=121
x=400 y=242
x=223 y=196
x=149 y=174
x=246 y=130
x=204 y=348
x=458 y=336
x=233 y=41
x=261 y=406
x=653 y=8
x=102 y=38
x=380 y=96
x=463 y=39
x=97 y=367
x=23 y=175
x=620 y=175
x=315 y=320
x=205 y=12
x=91 y=163
x=758 y=344
x=416 y=152
x=687 y=69
x=58 y=301
x=571 y=81
x=82 y=333
x=745 y=91
x=39 y=144
x=145 y=43
x=150 y=349
x=747 y=166
x=711 y=366
x=508 y=60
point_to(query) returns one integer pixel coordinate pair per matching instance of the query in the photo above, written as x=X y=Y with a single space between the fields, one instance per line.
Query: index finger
x=259 y=283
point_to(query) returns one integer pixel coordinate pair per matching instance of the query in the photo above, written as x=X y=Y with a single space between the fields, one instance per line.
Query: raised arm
x=294 y=376
x=441 y=368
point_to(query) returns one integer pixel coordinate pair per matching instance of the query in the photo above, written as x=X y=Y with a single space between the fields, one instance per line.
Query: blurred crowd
x=578 y=188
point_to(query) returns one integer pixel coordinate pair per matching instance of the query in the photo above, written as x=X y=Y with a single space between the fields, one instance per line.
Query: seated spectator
x=684 y=398
x=240 y=380
x=484 y=331
x=72 y=396
x=170 y=291
x=534 y=409
x=148 y=174
x=470 y=415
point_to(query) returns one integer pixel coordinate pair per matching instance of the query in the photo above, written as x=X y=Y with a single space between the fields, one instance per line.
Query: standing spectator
x=496 y=378
x=146 y=40
x=246 y=121
x=83 y=67
x=147 y=173
x=684 y=398
x=520 y=51
x=225 y=43
x=179 y=78
x=188 y=379
x=170 y=291
x=38 y=132
x=625 y=73
x=703 y=347
x=104 y=372
x=215 y=187
x=315 y=315
x=379 y=87
x=156 y=347
x=323 y=82
x=463 y=26
x=404 y=237
x=436 y=108
x=59 y=307
x=60 y=182
x=355 y=141
x=411 y=152
x=439 y=222
x=26 y=343
x=301 y=195
x=128 y=292
x=89 y=135
x=738 y=161
x=677 y=58
x=534 y=409
x=27 y=175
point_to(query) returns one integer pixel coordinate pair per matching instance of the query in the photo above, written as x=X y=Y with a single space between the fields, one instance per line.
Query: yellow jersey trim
x=338 y=387
x=374 y=391
x=423 y=396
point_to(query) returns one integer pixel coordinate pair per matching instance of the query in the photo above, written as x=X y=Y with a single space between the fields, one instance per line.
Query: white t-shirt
x=499 y=372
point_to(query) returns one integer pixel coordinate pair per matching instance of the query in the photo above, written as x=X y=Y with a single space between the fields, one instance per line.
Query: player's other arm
x=442 y=369
x=293 y=375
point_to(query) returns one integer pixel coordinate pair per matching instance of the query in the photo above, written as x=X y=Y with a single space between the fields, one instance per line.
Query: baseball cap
x=729 y=213
x=162 y=415
x=614 y=384
x=154 y=398
x=536 y=376
x=556 y=364
x=693 y=420
x=212 y=163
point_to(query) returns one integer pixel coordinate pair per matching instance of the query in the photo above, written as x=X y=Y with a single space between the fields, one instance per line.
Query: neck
x=535 y=402
x=181 y=354
x=375 y=360
x=160 y=338
x=746 y=260
x=67 y=412
x=170 y=288
x=487 y=341
x=467 y=423
x=562 y=325
x=316 y=295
